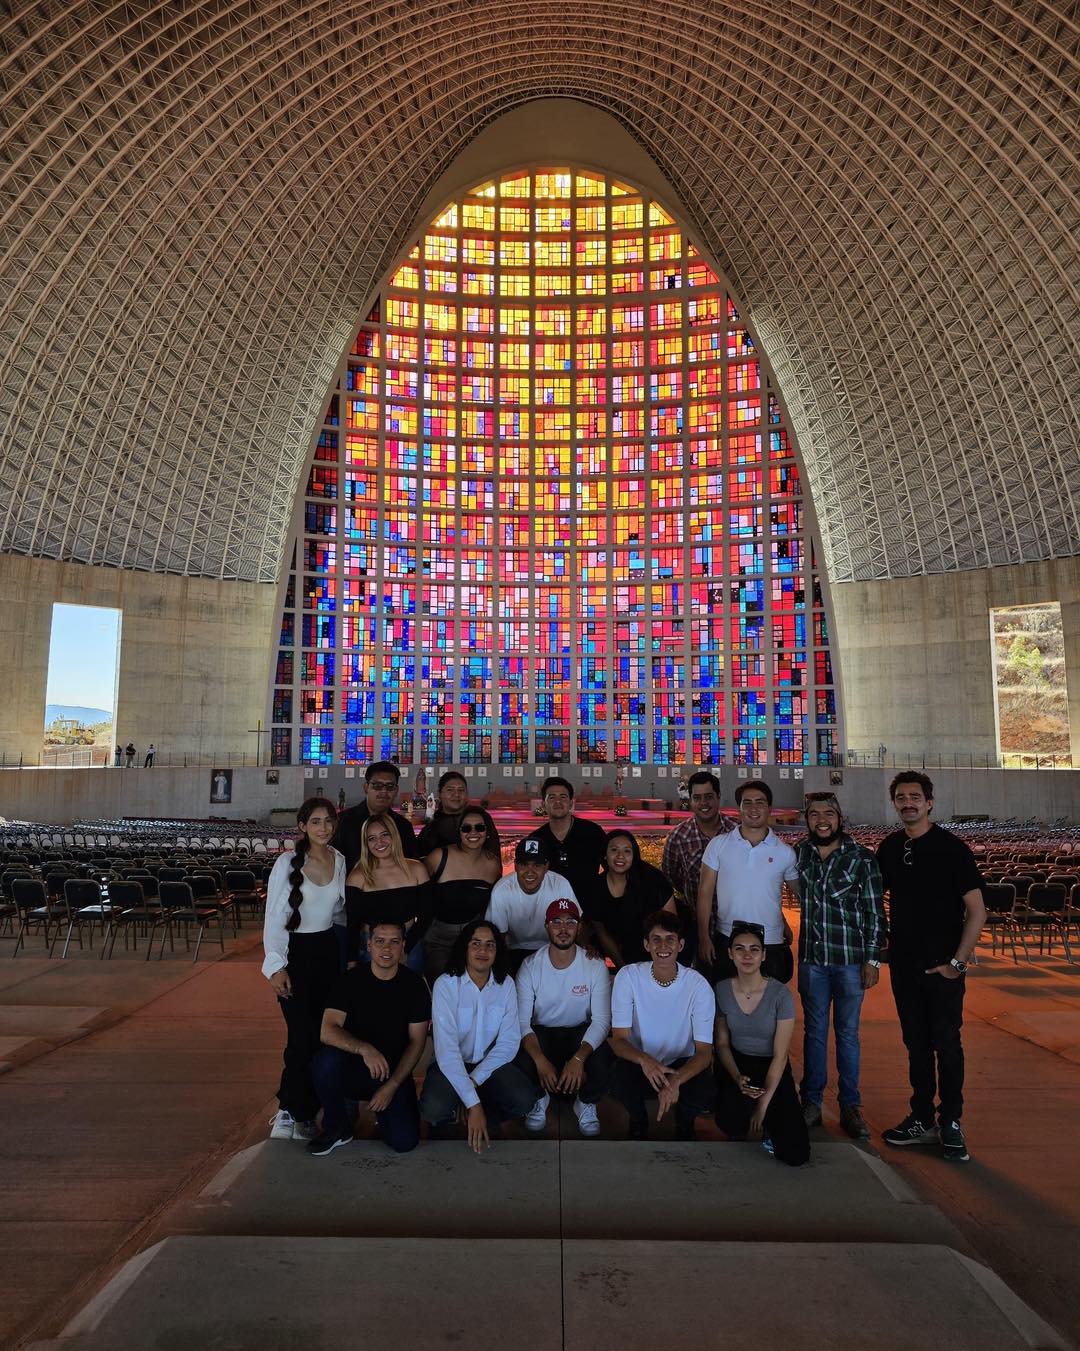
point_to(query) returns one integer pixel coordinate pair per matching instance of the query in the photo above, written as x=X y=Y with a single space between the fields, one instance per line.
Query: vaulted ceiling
x=199 y=198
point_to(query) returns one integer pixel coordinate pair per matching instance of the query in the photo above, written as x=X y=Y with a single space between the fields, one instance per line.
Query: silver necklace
x=663 y=983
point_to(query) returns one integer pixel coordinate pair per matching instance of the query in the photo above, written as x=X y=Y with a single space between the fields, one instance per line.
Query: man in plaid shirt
x=840 y=942
x=681 y=864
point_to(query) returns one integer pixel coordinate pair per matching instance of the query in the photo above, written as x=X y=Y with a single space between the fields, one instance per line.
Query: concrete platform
x=441 y=1190
x=579 y=1189
x=280 y=1293
x=802 y=1297
x=737 y=1192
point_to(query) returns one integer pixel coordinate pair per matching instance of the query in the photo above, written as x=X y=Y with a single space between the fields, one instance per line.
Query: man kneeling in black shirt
x=373 y=1033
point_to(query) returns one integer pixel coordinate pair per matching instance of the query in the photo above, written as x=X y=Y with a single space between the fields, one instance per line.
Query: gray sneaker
x=811 y=1112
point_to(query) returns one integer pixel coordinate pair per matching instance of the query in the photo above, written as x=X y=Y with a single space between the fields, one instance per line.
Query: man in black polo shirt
x=373 y=1034
x=575 y=848
x=936 y=914
x=380 y=789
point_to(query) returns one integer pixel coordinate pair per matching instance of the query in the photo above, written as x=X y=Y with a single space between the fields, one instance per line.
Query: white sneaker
x=304 y=1130
x=281 y=1126
x=588 y=1123
x=536 y=1120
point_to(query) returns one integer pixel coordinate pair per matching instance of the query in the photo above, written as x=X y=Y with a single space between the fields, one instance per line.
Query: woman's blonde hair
x=367 y=864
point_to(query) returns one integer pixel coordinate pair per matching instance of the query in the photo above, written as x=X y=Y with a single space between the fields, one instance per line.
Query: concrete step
x=576 y=1188
x=275 y=1293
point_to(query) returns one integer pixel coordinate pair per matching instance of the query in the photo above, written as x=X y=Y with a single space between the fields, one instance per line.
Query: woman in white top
x=305 y=897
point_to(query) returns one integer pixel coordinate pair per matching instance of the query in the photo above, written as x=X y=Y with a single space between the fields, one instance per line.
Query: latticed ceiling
x=199 y=198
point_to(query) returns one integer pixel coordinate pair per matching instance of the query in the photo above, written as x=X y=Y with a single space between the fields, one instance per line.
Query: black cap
x=531 y=850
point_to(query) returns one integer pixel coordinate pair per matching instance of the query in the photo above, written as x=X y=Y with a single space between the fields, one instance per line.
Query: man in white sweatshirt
x=564 y=1005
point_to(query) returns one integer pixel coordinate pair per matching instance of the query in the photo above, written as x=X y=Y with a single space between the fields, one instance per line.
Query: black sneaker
x=911 y=1131
x=638 y=1128
x=324 y=1143
x=953 y=1146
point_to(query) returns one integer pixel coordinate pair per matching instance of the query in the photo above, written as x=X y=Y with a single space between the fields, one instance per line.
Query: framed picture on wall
x=273 y=776
x=221 y=785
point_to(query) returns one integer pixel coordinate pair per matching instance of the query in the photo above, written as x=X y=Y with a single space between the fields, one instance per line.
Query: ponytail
x=296 y=882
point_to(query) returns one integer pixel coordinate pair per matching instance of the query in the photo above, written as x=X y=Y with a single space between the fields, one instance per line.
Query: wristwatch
x=873 y=961
x=958 y=965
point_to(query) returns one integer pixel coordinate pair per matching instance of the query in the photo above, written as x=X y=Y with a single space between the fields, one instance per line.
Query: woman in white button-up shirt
x=305 y=898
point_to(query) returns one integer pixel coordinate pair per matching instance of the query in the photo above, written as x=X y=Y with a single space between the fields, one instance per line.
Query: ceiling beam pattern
x=198 y=200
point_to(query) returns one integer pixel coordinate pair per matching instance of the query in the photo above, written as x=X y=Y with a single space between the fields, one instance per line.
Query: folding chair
x=178 y=900
x=133 y=907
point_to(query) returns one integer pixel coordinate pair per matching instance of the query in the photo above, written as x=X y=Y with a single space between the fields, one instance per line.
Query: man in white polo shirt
x=564 y=1003
x=662 y=1017
x=742 y=877
x=519 y=901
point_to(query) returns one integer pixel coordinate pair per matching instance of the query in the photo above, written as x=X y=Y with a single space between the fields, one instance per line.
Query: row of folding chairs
x=129 y=905
x=1049 y=910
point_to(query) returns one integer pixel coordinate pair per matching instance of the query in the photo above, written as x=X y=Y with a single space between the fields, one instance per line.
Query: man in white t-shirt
x=742 y=878
x=662 y=1017
x=564 y=1003
x=520 y=900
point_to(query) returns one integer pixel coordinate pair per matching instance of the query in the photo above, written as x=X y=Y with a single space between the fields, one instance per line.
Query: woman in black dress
x=462 y=876
x=623 y=896
x=386 y=885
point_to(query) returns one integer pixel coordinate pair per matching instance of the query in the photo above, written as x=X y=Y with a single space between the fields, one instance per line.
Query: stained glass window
x=557 y=514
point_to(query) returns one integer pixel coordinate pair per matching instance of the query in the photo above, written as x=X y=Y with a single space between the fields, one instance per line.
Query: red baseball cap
x=565 y=906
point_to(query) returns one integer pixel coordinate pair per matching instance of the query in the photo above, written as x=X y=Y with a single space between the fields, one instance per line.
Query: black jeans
x=784 y=1122
x=559 y=1044
x=340 y=1076
x=314 y=966
x=931 y=1013
x=506 y=1093
x=632 y=1089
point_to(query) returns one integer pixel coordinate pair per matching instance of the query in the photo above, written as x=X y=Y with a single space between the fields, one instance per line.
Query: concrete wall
x=194 y=655
x=915 y=656
x=60 y=796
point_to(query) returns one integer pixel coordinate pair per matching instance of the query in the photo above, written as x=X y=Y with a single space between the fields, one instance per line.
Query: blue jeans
x=340 y=1076
x=841 y=985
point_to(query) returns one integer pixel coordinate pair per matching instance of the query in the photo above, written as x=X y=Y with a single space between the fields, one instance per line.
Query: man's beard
x=831 y=838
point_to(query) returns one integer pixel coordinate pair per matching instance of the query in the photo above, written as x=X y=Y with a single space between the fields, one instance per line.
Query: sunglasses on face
x=473 y=830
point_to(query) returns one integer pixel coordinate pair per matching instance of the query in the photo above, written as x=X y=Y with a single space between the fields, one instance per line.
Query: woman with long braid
x=305 y=897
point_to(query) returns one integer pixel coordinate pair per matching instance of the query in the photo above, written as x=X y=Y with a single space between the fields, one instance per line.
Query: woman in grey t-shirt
x=755 y=1017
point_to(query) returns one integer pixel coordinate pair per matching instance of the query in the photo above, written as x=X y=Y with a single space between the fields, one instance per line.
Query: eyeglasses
x=473 y=830
x=382 y=785
x=909 y=852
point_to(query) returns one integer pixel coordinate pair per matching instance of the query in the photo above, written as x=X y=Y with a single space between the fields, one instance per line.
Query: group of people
x=125 y=756
x=372 y=934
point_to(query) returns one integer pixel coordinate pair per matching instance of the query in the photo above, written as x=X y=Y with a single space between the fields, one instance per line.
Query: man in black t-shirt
x=936 y=914
x=575 y=847
x=373 y=1035
x=380 y=789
